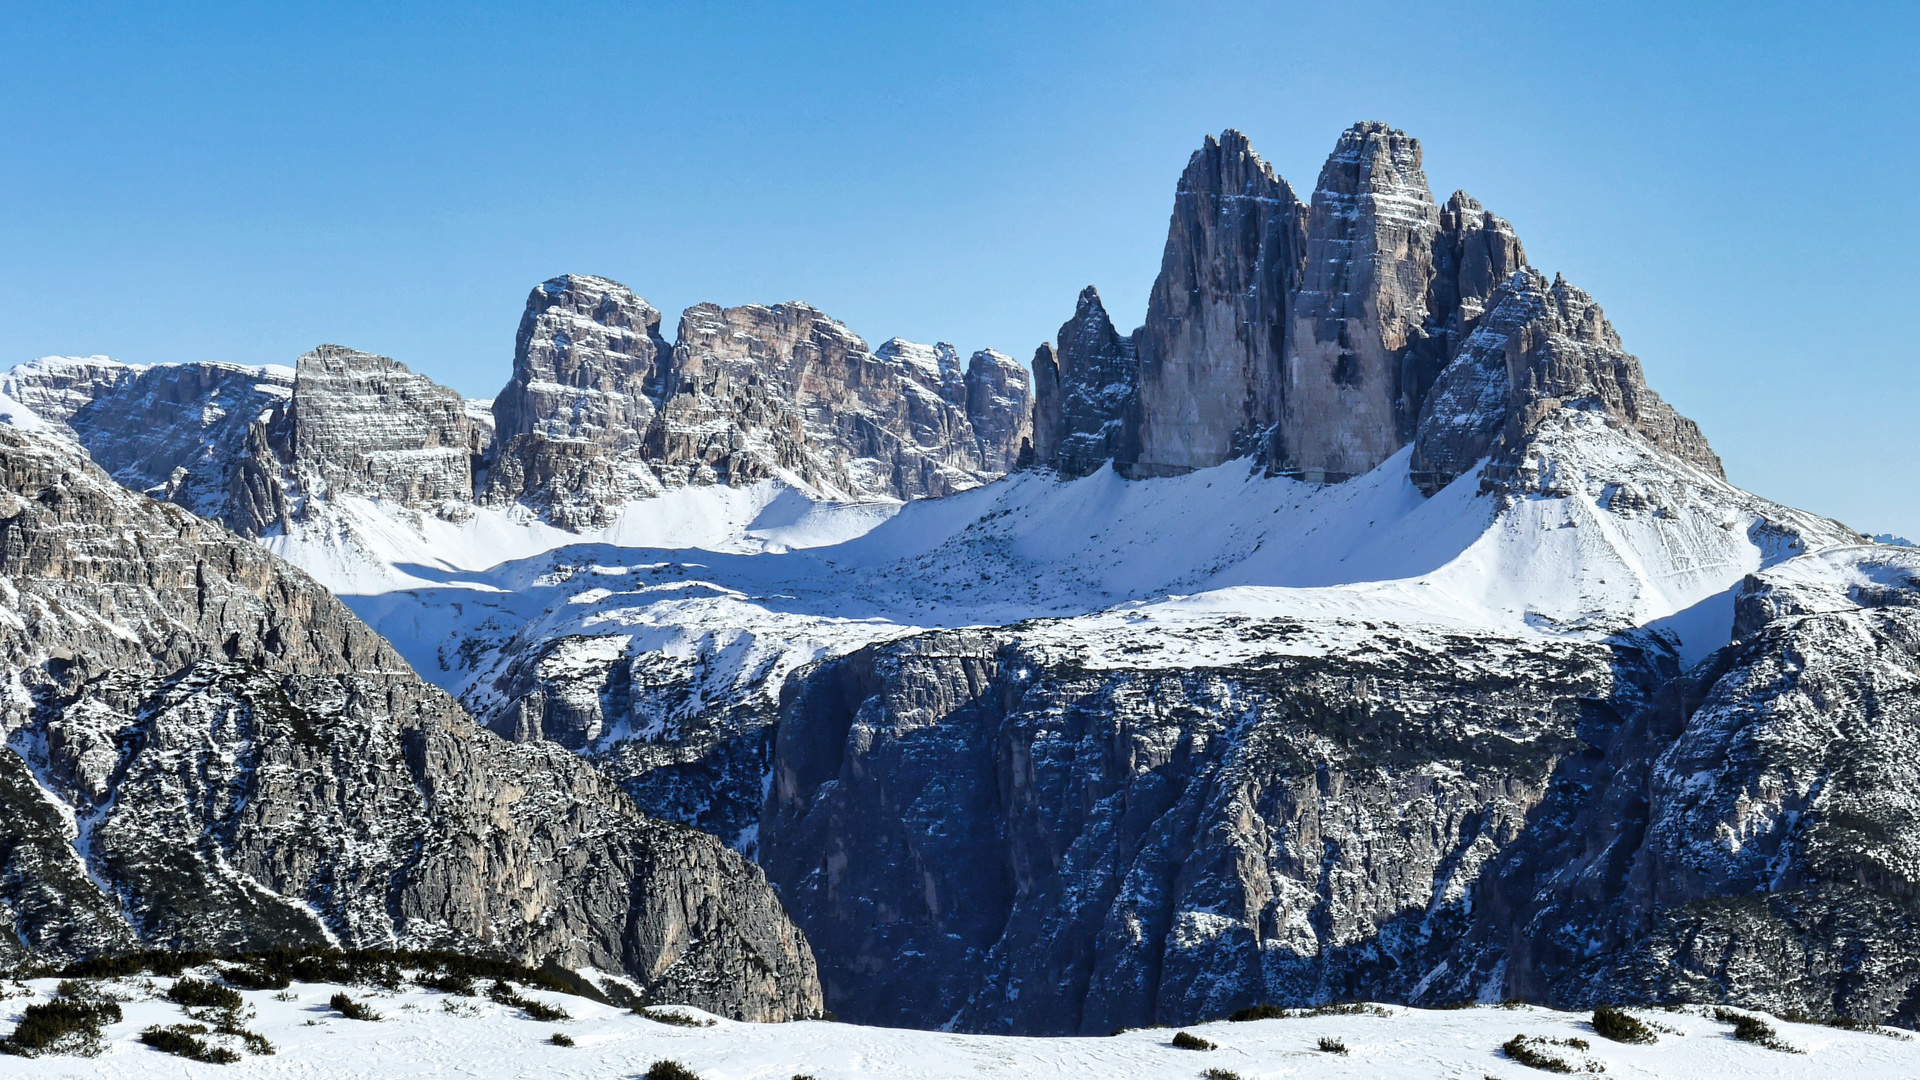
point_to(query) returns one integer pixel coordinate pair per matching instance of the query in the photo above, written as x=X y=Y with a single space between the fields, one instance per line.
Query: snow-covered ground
x=1628 y=537
x=426 y=1033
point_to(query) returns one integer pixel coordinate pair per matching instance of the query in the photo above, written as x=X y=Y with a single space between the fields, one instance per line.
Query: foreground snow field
x=425 y=1033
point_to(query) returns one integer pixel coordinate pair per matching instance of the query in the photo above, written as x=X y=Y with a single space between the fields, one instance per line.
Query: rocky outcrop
x=1008 y=838
x=601 y=410
x=1540 y=347
x=209 y=751
x=1312 y=340
x=1086 y=394
x=999 y=405
x=1211 y=351
x=363 y=425
x=190 y=434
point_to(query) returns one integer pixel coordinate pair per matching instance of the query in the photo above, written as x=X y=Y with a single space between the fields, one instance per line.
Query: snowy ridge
x=426 y=1033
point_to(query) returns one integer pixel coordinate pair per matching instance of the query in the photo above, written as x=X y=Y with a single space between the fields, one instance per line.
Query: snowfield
x=425 y=1033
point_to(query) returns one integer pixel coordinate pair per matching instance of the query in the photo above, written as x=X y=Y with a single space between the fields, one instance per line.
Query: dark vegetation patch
x=1332 y=1046
x=1621 y=1026
x=560 y=1038
x=501 y=992
x=351 y=1009
x=184 y=1040
x=1270 y=1011
x=199 y=993
x=61 y=1026
x=677 y=1019
x=1220 y=1074
x=347 y=967
x=448 y=983
x=1754 y=1030
x=1538 y=1052
x=669 y=1069
x=1189 y=1041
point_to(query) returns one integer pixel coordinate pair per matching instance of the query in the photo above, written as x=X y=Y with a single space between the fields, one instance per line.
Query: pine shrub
x=1188 y=1041
x=62 y=1026
x=198 y=993
x=1621 y=1026
x=351 y=1009
x=183 y=1040
x=670 y=1070
x=1332 y=1046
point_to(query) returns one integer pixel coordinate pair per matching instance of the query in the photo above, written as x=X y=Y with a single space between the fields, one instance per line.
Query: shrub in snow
x=1332 y=1046
x=560 y=1039
x=1620 y=1026
x=183 y=1040
x=65 y=1026
x=1753 y=1029
x=670 y=1070
x=1186 y=1041
x=351 y=1009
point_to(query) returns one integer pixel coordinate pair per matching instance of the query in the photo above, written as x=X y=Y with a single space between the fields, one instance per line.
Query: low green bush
x=1754 y=1030
x=1621 y=1026
x=559 y=1038
x=1220 y=1074
x=351 y=1009
x=1332 y=1046
x=677 y=1019
x=501 y=992
x=62 y=1026
x=1188 y=1041
x=252 y=978
x=183 y=1040
x=1534 y=1052
x=670 y=1070
x=199 y=993
x=449 y=984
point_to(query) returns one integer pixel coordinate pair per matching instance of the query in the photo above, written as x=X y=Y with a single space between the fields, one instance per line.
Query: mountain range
x=1362 y=626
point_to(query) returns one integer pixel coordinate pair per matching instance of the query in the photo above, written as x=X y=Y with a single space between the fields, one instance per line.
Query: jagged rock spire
x=1210 y=352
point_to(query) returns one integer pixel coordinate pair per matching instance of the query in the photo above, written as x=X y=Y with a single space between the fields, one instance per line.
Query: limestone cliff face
x=570 y=428
x=1211 y=350
x=1539 y=348
x=999 y=404
x=207 y=750
x=1356 y=366
x=364 y=425
x=601 y=410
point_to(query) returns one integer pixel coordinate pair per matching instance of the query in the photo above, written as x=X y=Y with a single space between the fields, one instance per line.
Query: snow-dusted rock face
x=207 y=750
x=190 y=434
x=1027 y=844
x=1086 y=394
x=1540 y=348
x=571 y=425
x=364 y=425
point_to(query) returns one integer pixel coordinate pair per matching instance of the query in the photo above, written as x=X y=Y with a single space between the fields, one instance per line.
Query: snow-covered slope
x=426 y=1033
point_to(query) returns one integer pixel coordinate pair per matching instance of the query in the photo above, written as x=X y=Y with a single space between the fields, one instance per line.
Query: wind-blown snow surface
x=425 y=1033
x=734 y=588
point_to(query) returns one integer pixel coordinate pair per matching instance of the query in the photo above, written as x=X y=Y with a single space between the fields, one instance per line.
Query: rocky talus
x=207 y=750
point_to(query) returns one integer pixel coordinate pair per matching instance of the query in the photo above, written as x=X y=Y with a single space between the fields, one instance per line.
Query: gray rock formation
x=1308 y=339
x=571 y=425
x=364 y=425
x=978 y=832
x=177 y=432
x=207 y=750
x=601 y=411
x=1539 y=348
x=1086 y=394
x=999 y=405
x=1217 y=320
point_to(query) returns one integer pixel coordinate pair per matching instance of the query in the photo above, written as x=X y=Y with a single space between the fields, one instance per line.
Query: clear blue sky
x=1736 y=184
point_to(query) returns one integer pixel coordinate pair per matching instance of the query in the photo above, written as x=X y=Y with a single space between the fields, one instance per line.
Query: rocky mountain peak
x=364 y=425
x=1085 y=392
x=1210 y=354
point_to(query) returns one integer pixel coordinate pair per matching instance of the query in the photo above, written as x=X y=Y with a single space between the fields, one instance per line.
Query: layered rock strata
x=1086 y=393
x=206 y=750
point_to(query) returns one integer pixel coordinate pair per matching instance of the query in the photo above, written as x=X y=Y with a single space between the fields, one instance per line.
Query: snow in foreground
x=426 y=1033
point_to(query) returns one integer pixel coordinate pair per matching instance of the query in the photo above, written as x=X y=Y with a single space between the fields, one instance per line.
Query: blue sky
x=1737 y=184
